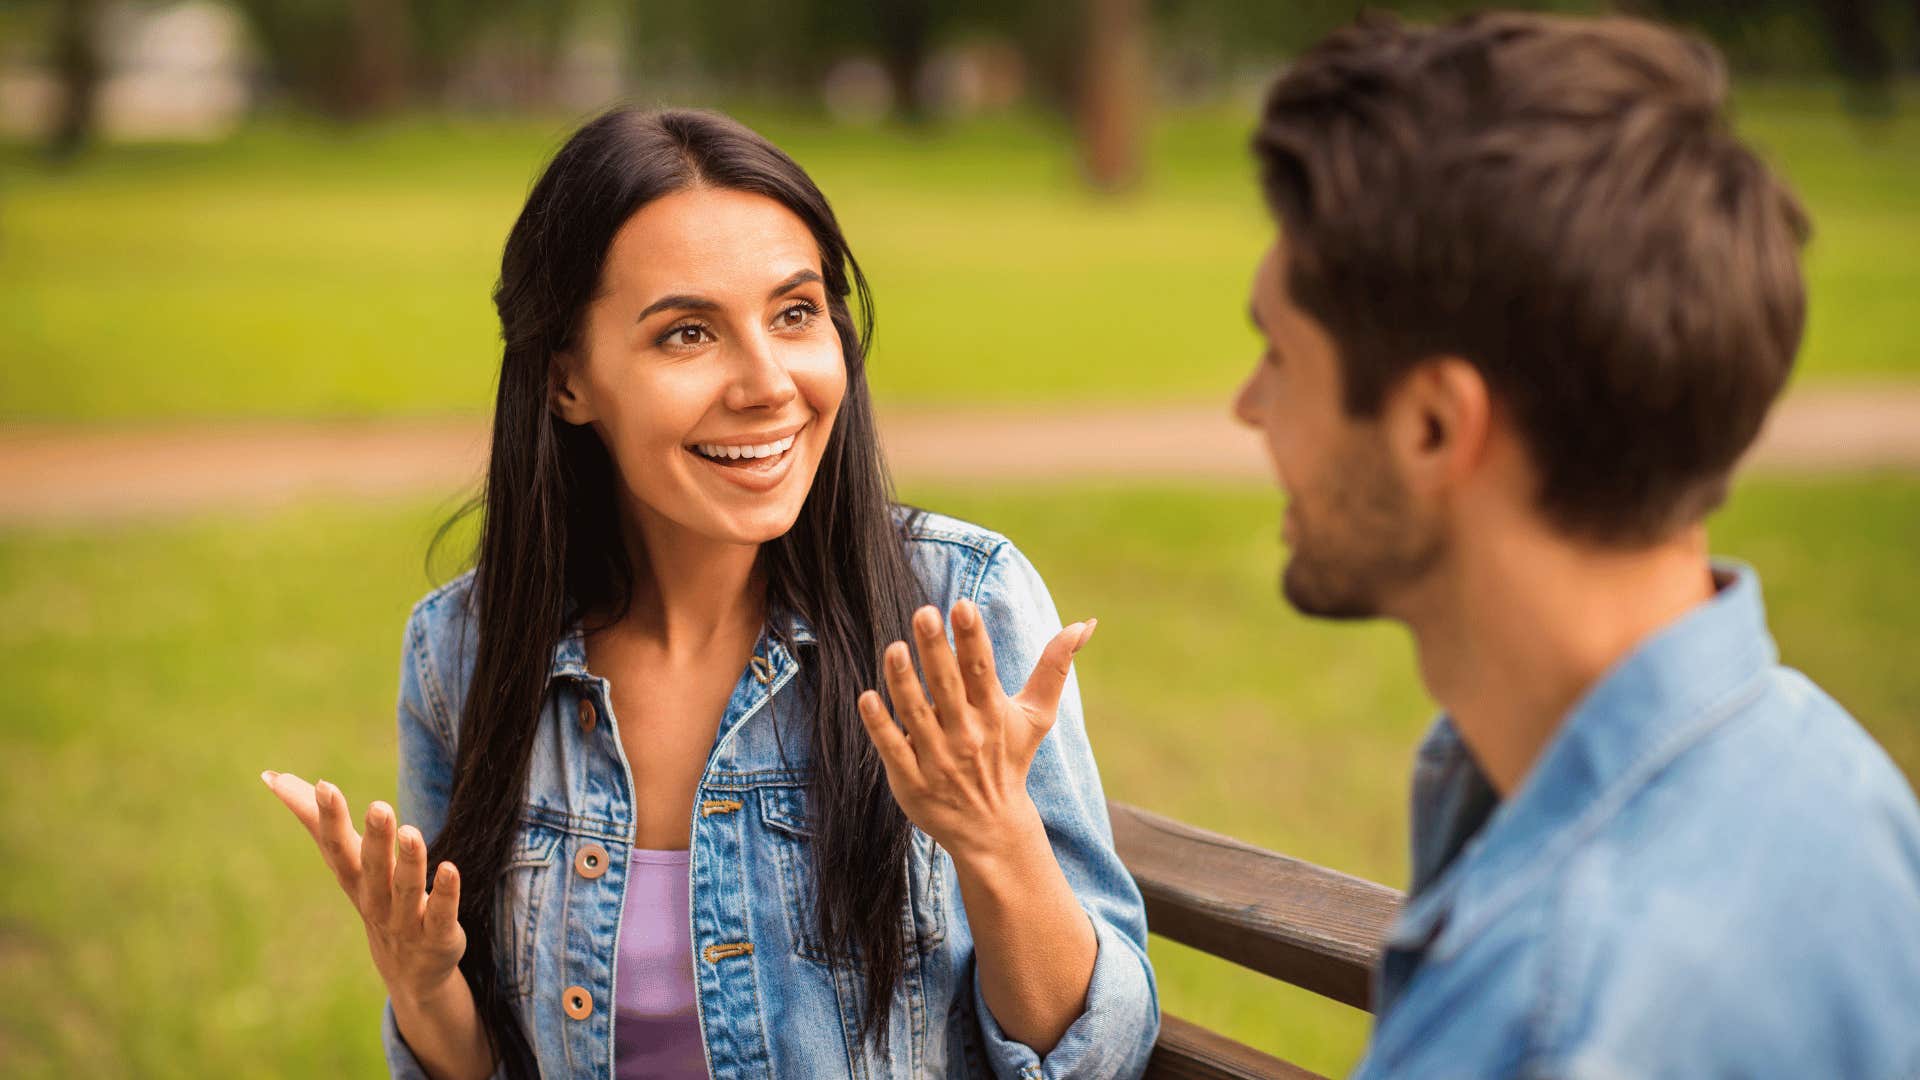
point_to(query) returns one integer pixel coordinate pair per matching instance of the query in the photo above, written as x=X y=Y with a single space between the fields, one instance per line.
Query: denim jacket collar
x=1474 y=854
x=570 y=656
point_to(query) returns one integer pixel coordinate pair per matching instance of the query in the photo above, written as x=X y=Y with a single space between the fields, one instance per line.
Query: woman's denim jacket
x=769 y=1002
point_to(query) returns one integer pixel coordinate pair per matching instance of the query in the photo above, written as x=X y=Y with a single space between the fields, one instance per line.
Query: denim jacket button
x=578 y=1002
x=587 y=716
x=591 y=862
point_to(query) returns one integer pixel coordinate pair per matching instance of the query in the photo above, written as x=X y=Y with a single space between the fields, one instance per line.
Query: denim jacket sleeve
x=426 y=726
x=1115 y=1032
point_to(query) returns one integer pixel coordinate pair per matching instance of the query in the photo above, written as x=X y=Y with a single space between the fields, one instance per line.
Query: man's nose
x=1245 y=408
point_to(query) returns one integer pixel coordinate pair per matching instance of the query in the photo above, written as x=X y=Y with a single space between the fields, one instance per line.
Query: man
x=1529 y=303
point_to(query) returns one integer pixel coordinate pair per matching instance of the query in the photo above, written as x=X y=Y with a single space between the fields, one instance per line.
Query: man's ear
x=565 y=396
x=1437 y=422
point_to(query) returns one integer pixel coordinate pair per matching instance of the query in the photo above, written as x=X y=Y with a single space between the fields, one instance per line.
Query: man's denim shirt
x=768 y=1001
x=1710 y=871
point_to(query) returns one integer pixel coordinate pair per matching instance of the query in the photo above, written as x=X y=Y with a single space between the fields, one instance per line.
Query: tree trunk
x=1861 y=52
x=77 y=63
x=1113 y=90
x=378 y=45
x=906 y=31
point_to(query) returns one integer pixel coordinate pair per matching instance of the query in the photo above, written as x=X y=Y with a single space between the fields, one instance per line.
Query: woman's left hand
x=959 y=769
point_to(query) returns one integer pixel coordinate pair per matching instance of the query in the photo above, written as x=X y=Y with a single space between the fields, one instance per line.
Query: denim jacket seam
x=974 y=588
x=440 y=713
x=753 y=976
x=980 y=542
x=731 y=780
x=574 y=824
x=1544 y=1023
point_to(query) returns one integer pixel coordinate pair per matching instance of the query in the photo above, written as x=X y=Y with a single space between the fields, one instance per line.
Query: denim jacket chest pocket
x=788 y=830
x=518 y=902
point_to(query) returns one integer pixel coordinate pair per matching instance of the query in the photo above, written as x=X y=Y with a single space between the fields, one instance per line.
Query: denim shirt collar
x=1473 y=854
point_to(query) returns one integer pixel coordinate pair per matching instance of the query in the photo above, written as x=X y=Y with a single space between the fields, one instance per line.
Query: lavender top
x=656 y=1031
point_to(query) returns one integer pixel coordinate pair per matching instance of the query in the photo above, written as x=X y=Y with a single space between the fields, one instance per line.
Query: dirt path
x=85 y=474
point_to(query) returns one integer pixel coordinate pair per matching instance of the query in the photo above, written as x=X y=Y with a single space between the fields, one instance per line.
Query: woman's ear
x=564 y=389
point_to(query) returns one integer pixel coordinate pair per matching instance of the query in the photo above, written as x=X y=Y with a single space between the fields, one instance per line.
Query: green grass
x=300 y=271
x=161 y=915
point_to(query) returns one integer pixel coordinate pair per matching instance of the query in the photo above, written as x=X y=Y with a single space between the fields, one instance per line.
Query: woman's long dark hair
x=550 y=545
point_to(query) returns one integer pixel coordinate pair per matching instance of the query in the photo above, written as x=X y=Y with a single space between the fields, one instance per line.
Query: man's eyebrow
x=678 y=300
x=794 y=281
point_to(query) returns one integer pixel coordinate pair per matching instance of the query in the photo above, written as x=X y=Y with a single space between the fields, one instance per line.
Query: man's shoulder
x=1762 y=889
x=1789 y=781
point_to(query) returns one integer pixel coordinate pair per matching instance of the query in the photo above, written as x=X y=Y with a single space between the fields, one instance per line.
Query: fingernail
x=267 y=777
x=897 y=658
x=963 y=614
x=1086 y=635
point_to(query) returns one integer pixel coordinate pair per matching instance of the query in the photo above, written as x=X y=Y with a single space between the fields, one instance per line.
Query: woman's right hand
x=415 y=937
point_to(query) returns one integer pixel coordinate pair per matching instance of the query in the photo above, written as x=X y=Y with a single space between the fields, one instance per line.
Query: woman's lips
x=758 y=475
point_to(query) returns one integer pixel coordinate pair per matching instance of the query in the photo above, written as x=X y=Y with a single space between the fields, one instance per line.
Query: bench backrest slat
x=1302 y=924
x=1187 y=1051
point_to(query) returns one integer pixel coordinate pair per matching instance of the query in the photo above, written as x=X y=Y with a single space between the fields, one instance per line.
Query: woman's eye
x=797 y=316
x=687 y=334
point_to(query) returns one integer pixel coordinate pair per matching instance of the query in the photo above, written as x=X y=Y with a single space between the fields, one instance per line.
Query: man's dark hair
x=1561 y=203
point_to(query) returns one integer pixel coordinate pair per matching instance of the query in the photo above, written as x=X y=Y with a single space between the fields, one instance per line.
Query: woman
x=673 y=824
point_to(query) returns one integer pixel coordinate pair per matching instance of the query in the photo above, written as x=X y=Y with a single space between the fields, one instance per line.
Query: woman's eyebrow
x=680 y=301
x=687 y=302
x=794 y=281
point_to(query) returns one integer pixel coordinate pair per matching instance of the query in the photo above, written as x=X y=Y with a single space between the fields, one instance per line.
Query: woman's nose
x=760 y=380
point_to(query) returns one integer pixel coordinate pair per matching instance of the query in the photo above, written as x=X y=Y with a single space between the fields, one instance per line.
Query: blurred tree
x=904 y=29
x=354 y=59
x=1114 y=89
x=1854 y=38
x=78 y=69
x=344 y=60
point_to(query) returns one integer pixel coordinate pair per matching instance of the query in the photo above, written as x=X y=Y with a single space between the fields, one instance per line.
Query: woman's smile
x=757 y=463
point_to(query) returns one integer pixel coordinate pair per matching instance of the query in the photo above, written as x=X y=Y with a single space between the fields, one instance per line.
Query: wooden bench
x=1300 y=923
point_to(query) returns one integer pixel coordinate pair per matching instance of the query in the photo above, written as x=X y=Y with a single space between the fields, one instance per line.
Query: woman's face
x=708 y=365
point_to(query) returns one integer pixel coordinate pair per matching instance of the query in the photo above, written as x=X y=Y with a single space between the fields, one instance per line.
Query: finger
x=376 y=864
x=976 y=654
x=443 y=904
x=909 y=704
x=942 y=671
x=896 y=751
x=339 y=842
x=1041 y=696
x=297 y=795
x=410 y=880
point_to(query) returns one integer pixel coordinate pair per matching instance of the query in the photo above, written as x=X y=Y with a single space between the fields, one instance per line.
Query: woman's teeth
x=735 y=453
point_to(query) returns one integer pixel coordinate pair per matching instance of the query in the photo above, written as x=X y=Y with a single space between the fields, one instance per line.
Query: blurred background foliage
x=286 y=210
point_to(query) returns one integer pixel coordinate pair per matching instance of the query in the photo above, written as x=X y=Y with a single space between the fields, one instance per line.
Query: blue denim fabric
x=1711 y=871
x=780 y=1009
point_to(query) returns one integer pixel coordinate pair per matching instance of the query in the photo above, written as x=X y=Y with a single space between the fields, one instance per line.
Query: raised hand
x=959 y=767
x=415 y=937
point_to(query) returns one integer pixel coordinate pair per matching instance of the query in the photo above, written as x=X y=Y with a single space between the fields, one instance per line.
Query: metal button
x=591 y=861
x=762 y=670
x=579 y=1003
x=588 y=717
